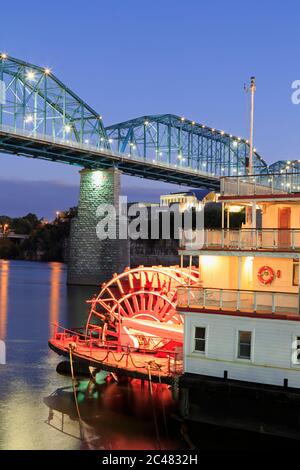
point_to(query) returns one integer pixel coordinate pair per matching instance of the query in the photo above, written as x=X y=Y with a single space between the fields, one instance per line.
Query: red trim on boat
x=269 y=316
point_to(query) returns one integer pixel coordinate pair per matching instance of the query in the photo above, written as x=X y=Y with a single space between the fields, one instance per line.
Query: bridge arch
x=170 y=139
x=37 y=102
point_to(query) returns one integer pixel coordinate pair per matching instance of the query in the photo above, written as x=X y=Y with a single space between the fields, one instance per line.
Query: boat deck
x=127 y=362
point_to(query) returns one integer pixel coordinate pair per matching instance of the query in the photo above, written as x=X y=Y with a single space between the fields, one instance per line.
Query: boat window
x=200 y=338
x=296 y=351
x=244 y=346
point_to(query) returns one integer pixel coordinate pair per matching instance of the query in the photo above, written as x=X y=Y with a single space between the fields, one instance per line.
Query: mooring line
x=71 y=347
x=163 y=406
x=153 y=408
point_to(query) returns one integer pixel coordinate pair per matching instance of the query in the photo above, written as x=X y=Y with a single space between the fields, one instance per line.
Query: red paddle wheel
x=137 y=308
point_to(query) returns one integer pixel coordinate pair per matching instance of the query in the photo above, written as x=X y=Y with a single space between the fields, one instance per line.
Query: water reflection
x=4 y=279
x=114 y=416
x=77 y=306
x=32 y=295
x=55 y=282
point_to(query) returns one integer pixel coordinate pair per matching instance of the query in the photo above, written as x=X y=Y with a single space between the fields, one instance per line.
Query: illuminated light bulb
x=146 y=123
x=247 y=141
x=86 y=141
x=238 y=138
x=101 y=139
x=30 y=75
x=179 y=157
x=47 y=71
x=28 y=118
x=222 y=132
x=203 y=126
x=182 y=119
x=160 y=153
x=193 y=123
x=110 y=141
x=254 y=150
x=67 y=128
x=235 y=209
x=100 y=117
x=213 y=130
x=3 y=55
x=234 y=143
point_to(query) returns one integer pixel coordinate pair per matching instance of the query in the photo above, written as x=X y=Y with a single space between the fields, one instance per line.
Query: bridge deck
x=38 y=146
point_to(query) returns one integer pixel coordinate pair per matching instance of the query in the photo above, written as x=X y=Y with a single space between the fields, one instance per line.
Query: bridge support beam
x=91 y=260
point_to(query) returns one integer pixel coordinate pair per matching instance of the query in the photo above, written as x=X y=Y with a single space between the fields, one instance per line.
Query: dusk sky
x=131 y=58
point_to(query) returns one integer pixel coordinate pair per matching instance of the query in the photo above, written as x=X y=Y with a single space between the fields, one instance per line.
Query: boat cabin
x=244 y=322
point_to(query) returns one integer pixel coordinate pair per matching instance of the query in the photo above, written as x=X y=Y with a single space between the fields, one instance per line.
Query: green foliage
x=46 y=241
x=8 y=249
x=21 y=225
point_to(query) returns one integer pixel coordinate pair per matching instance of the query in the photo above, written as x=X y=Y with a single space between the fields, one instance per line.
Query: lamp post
x=252 y=91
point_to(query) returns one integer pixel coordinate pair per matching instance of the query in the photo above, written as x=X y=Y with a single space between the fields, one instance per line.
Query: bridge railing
x=104 y=151
x=263 y=184
x=242 y=239
x=238 y=300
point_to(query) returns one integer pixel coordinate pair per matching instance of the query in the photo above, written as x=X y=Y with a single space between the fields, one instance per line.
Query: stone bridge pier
x=91 y=260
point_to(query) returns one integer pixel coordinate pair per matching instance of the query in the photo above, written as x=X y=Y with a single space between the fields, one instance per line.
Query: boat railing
x=88 y=345
x=60 y=330
x=270 y=239
x=238 y=300
x=260 y=184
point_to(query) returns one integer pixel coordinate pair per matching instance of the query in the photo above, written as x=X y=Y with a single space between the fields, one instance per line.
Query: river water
x=37 y=407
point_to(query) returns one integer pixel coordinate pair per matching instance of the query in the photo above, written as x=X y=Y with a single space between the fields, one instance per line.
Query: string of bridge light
x=213 y=130
x=31 y=76
x=204 y=164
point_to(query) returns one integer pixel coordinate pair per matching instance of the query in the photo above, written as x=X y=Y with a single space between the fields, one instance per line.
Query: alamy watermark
x=2 y=353
x=150 y=222
x=295 y=96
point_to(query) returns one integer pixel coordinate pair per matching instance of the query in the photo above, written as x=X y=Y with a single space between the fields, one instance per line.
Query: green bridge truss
x=35 y=101
x=175 y=140
x=40 y=117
